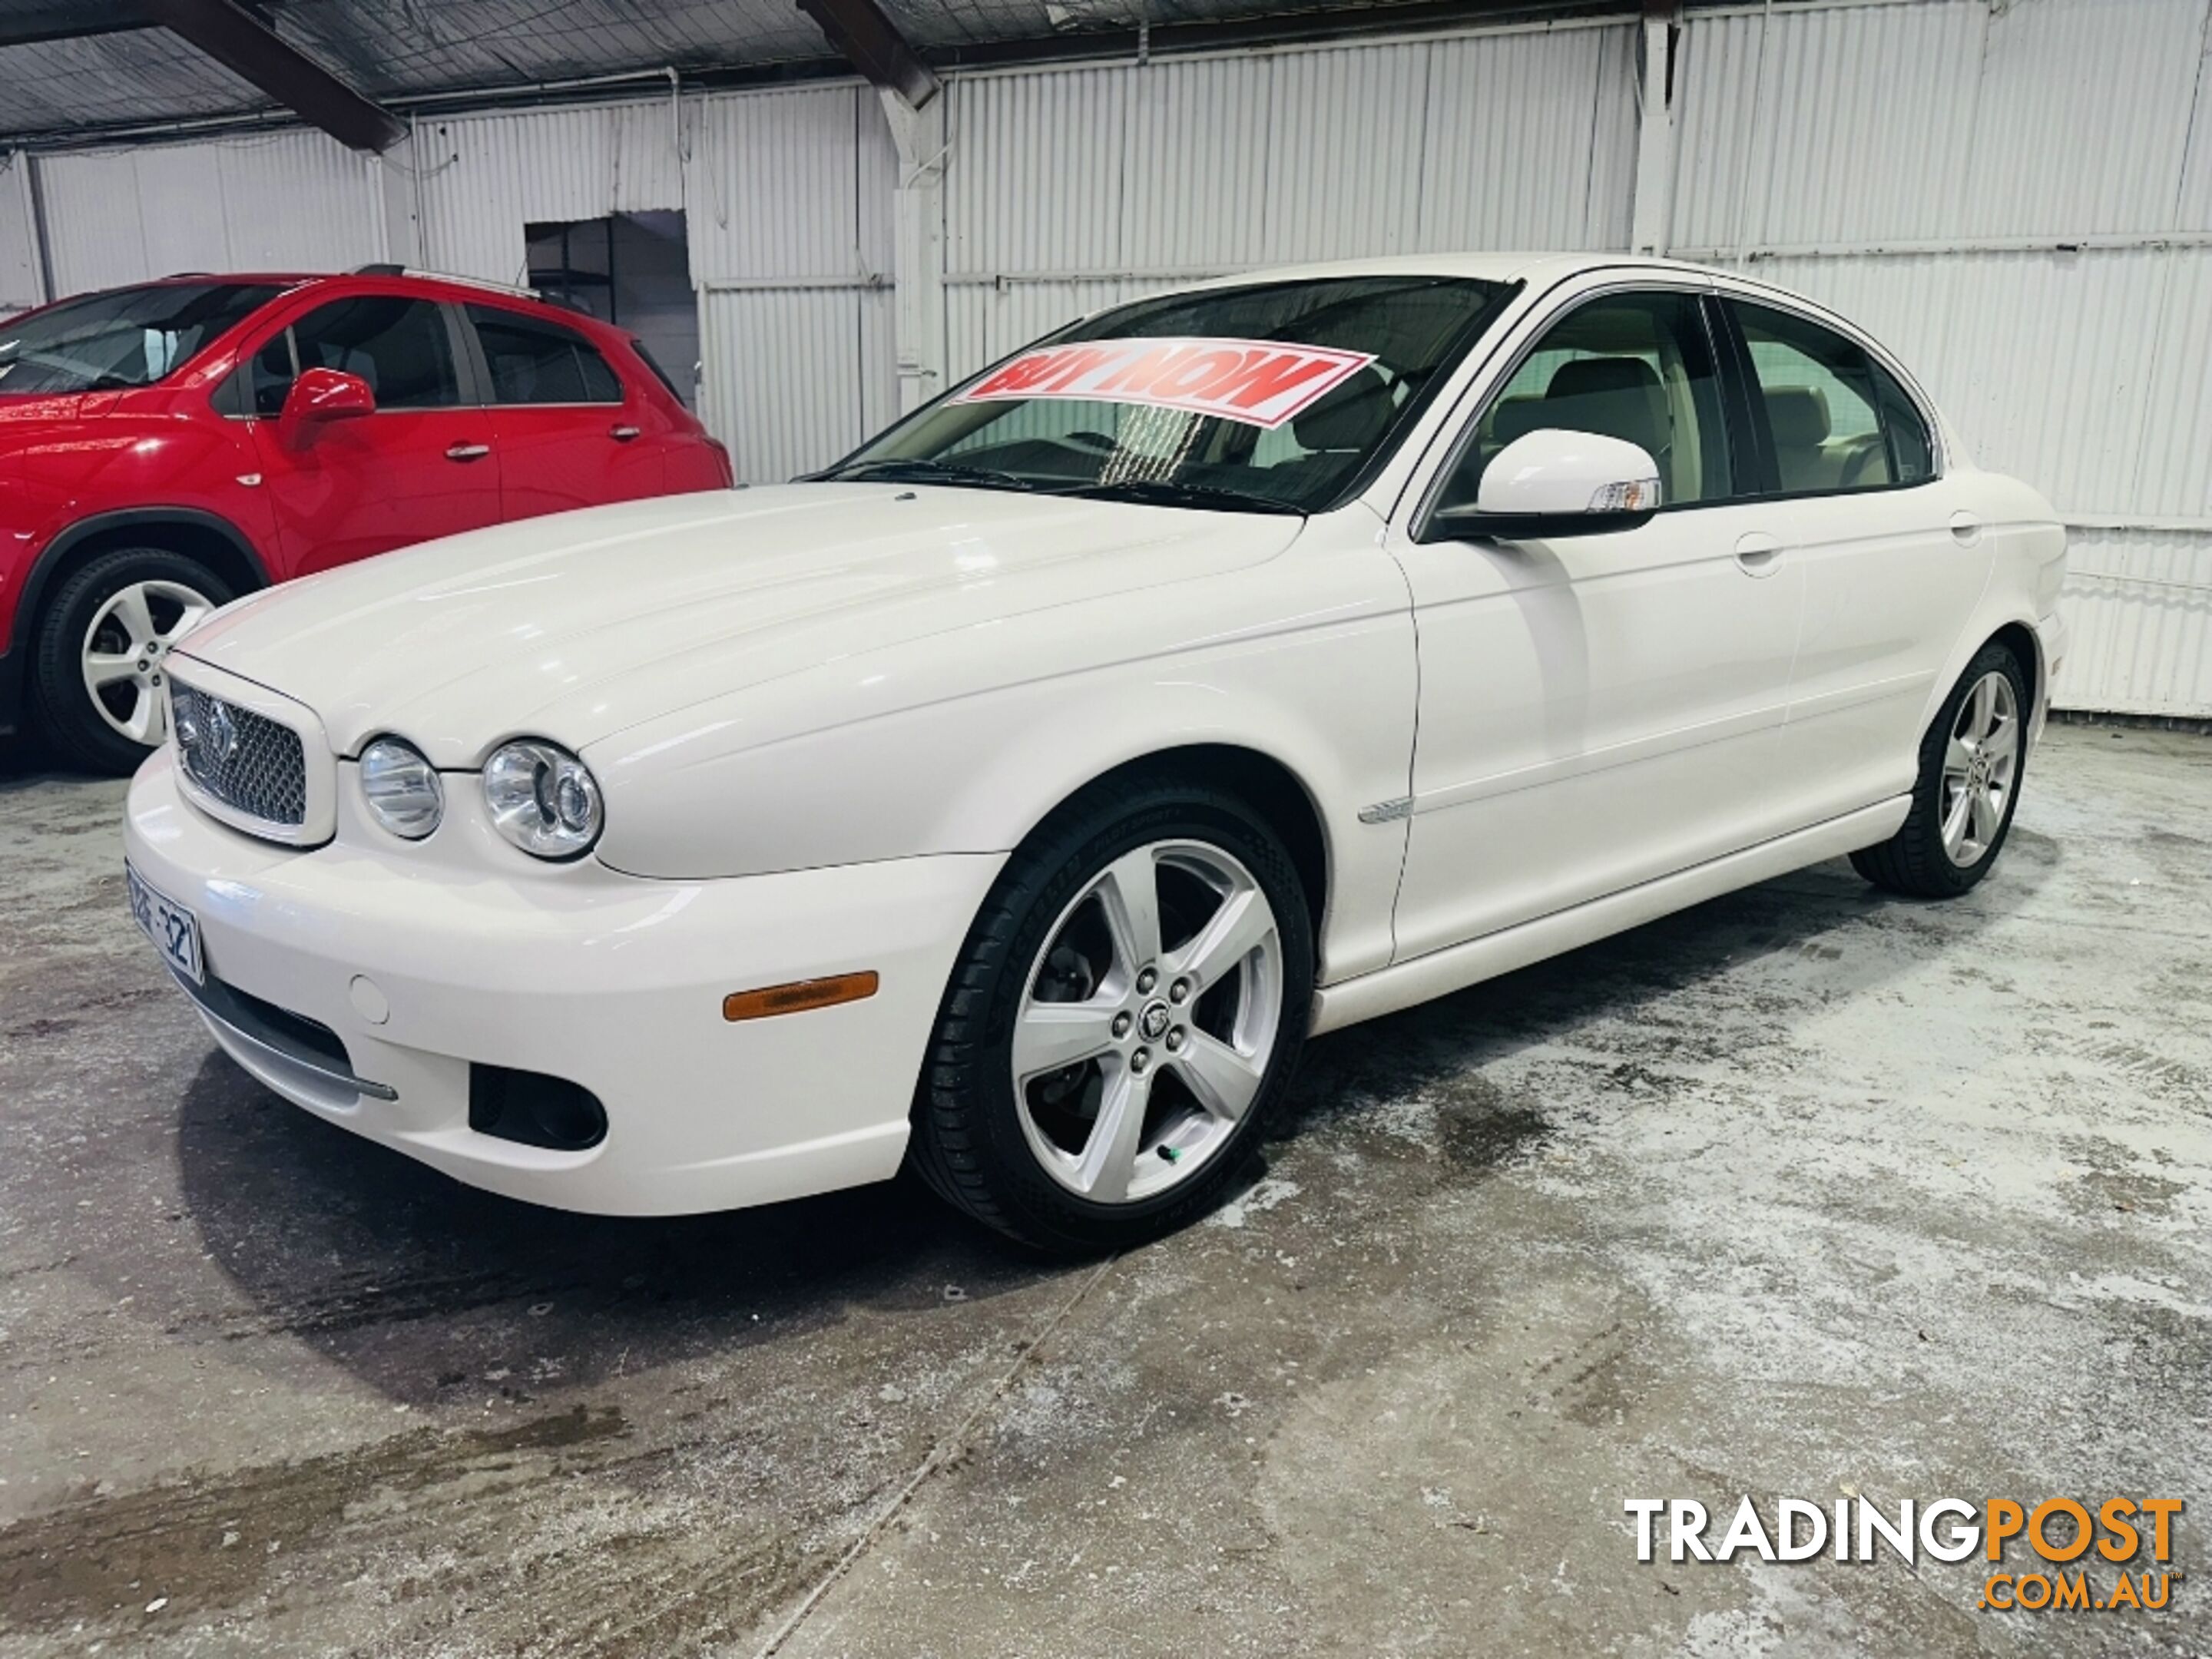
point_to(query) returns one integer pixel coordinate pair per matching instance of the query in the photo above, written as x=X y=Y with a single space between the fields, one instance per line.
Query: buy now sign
x=1259 y=382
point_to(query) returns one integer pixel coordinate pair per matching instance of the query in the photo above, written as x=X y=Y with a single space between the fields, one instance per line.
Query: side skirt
x=1458 y=966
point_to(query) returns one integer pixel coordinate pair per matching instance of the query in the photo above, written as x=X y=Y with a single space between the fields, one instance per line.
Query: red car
x=165 y=447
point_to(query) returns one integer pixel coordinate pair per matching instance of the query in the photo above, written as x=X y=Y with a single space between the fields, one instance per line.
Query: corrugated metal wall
x=1070 y=189
x=275 y=201
x=19 y=288
x=2018 y=199
x=1916 y=163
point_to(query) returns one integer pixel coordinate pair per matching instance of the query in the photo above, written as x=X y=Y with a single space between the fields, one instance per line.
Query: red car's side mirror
x=324 y=394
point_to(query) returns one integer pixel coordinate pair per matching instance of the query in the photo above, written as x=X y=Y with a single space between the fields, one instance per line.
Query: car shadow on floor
x=1647 y=981
x=413 y=1282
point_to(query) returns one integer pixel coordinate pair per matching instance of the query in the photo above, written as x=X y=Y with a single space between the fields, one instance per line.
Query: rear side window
x=539 y=362
x=399 y=346
x=654 y=363
x=1836 y=419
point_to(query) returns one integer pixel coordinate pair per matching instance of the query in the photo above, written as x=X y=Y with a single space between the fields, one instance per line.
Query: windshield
x=1271 y=397
x=128 y=337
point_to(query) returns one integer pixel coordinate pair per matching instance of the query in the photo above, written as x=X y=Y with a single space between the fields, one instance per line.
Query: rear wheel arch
x=2025 y=646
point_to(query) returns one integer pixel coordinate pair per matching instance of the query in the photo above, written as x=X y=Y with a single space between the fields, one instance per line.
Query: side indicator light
x=799 y=996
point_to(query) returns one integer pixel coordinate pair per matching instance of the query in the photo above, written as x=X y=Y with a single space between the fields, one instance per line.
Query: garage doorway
x=633 y=270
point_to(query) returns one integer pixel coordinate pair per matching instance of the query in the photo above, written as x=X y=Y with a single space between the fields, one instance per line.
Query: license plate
x=173 y=929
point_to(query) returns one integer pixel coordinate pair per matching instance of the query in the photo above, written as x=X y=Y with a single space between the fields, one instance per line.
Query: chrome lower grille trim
x=282 y=1051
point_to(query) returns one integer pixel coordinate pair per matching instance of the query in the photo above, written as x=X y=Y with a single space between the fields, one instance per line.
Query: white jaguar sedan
x=1014 y=797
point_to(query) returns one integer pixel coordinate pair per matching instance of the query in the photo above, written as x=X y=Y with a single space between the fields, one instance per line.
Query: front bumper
x=611 y=982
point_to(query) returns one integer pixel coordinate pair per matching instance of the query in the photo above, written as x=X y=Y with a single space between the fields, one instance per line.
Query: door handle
x=1758 y=554
x=622 y=434
x=1966 y=528
x=468 y=452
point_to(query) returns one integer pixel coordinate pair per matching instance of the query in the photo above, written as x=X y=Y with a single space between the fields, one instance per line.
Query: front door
x=1597 y=711
x=421 y=467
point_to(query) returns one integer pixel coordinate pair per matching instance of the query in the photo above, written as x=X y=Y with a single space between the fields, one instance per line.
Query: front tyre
x=100 y=654
x=1125 y=1013
x=1970 y=762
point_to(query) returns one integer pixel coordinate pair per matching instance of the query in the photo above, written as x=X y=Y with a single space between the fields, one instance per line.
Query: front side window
x=1637 y=366
x=399 y=346
x=1276 y=396
x=533 y=361
x=1836 y=420
x=130 y=337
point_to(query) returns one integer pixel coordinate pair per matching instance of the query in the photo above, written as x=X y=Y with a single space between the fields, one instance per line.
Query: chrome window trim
x=1538 y=323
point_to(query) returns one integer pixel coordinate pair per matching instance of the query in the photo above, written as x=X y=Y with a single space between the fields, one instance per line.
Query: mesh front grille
x=246 y=761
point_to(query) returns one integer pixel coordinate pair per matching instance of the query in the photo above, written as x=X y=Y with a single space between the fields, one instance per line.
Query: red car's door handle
x=622 y=434
x=468 y=452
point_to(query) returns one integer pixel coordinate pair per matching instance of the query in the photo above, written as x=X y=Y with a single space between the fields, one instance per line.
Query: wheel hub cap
x=1980 y=762
x=122 y=655
x=1123 y=1091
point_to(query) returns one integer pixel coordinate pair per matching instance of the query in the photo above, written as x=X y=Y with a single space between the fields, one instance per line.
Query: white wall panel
x=1034 y=177
x=1832 y=125
x=1345 y=144
x=19 y=243
x=281 y=201
x=797 y=376
x=2141 y=606
x=1176 y=217
x=482 y=178
x=1529 y=141
x=776 y=185
x=2083 y=115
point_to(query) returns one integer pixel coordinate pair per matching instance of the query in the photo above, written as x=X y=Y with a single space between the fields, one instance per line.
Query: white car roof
x=1487 y=267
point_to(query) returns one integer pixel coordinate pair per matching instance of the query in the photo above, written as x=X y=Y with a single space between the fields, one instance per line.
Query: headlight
x=400 y=788
x=543 y=799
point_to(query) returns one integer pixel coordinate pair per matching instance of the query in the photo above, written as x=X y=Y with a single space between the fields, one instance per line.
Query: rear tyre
x=100 y=658
x=1124 y=1014
x=1971 y=763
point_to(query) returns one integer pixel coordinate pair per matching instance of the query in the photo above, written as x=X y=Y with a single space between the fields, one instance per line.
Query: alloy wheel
x=125 y=651
x=1147 y=1022
x=1980 y=762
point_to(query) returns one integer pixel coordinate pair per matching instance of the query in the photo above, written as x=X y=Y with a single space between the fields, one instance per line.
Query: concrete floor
x=1804 y=1191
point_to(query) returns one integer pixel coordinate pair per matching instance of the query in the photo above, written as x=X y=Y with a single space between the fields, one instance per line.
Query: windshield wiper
x=1166 y=492
x=919 y=469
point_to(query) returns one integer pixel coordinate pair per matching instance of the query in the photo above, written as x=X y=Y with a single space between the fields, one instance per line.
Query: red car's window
x=399 y=346
x=130 y=337
x=540 y=362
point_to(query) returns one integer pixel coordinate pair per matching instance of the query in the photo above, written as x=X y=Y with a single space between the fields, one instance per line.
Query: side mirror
x=320 y=395
x=1550 y=484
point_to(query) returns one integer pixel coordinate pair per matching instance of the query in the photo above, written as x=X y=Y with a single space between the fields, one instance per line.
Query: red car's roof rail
x=518 y=290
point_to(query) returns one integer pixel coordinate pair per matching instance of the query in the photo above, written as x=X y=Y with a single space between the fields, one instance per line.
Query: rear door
x=570 y=430
x=1597 y=711
x=1892 y=561
x=420 y=467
